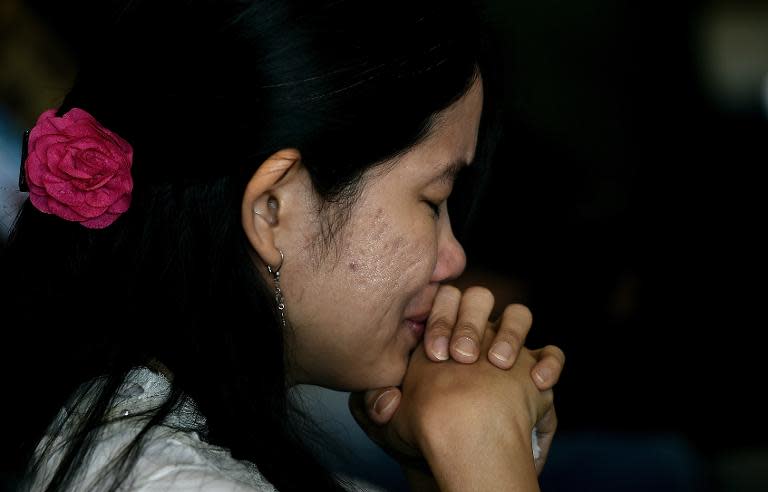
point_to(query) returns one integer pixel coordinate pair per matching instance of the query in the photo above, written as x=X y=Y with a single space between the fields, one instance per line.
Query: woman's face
x=359 y=313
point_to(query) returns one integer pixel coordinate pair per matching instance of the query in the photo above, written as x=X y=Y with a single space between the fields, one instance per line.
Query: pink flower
x=77 y=169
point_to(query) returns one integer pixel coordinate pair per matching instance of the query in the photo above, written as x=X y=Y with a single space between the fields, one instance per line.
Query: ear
x=261 y=203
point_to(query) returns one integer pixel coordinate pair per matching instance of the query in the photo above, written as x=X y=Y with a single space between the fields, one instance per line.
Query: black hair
x=205 y=91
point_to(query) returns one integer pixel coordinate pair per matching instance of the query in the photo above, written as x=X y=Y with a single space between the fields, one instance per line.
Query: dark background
x=625 y=201
x=627 y=206
x=624 y=211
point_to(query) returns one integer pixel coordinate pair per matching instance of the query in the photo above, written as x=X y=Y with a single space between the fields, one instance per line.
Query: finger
x=474 y=311
x=388 y=439
x=381 y=404
x=549 y=366
x=515 y=323
x=441 y=321
x=545 y=432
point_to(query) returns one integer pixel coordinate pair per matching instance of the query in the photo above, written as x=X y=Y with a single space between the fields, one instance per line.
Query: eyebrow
x=453 y=168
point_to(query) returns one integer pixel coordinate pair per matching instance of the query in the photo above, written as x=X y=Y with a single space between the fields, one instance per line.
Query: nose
x=451 y=259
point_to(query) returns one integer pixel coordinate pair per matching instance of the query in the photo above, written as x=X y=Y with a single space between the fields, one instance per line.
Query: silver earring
x=278 y=292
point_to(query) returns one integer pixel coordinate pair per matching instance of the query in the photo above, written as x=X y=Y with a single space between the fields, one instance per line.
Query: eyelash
x=435 y=208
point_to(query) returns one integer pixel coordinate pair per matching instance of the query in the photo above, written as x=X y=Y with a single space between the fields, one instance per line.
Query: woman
x=238 y=197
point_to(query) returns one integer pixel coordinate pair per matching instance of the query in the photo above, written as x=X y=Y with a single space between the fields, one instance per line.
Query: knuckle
x=557 y=353
x=482 y=294
x=549 y=398
x=510 y=336
x=449 y=291
x=543 y=401
x=465 y=329
x=440 y=326
x=519 y=312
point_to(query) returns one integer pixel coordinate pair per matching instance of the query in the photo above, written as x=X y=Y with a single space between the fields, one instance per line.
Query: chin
x=389 y=375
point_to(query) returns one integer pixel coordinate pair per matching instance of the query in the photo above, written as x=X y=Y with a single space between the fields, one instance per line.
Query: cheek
x=351 y=310
x=389 y=261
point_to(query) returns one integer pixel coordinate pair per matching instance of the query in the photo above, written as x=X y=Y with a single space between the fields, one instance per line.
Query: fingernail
x=502 y=351
x=465 y=346
x=542 y=374
x=441 y=348
x=384 y=401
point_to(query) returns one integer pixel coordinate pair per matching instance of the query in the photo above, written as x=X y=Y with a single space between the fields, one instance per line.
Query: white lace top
x=170 y=460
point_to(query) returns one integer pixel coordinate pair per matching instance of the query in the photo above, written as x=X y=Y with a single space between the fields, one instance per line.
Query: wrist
x=463 y=458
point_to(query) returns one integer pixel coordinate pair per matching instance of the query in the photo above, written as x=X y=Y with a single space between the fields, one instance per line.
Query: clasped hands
x=469 y=382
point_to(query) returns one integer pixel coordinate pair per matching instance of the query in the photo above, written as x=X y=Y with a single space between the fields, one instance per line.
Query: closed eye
x=435 y=208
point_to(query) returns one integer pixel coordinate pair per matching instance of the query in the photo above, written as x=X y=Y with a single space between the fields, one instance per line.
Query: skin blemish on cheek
x=396 y=244
x=353 y=266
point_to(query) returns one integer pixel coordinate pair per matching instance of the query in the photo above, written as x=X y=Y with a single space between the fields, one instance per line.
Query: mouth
x=417 y=324
x=416 y=317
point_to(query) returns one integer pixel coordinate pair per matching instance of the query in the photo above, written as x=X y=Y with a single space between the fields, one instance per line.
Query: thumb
x=378 y=405
x=371 y=410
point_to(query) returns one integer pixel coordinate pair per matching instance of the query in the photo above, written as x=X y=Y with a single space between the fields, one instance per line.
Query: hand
x=452 y=411
x=459 y=321
x=361 y=405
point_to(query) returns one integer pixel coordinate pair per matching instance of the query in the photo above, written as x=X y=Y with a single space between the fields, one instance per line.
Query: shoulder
x=174 y=460
x=172 y=456
x=182 y=462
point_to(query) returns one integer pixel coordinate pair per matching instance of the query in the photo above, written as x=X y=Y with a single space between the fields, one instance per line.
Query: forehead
x=452 y=139
x=455 y=134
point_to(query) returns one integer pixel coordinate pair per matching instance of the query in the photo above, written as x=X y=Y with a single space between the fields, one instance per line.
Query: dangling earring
x=275 y=272
x=278 y=292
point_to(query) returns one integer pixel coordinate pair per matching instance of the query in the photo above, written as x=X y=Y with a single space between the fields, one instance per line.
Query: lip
x=417 y=324
x=419 y=318
x=416 y=320
x=416 y=328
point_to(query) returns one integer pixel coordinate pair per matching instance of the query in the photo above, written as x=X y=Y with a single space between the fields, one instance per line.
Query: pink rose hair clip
x=76 y=169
